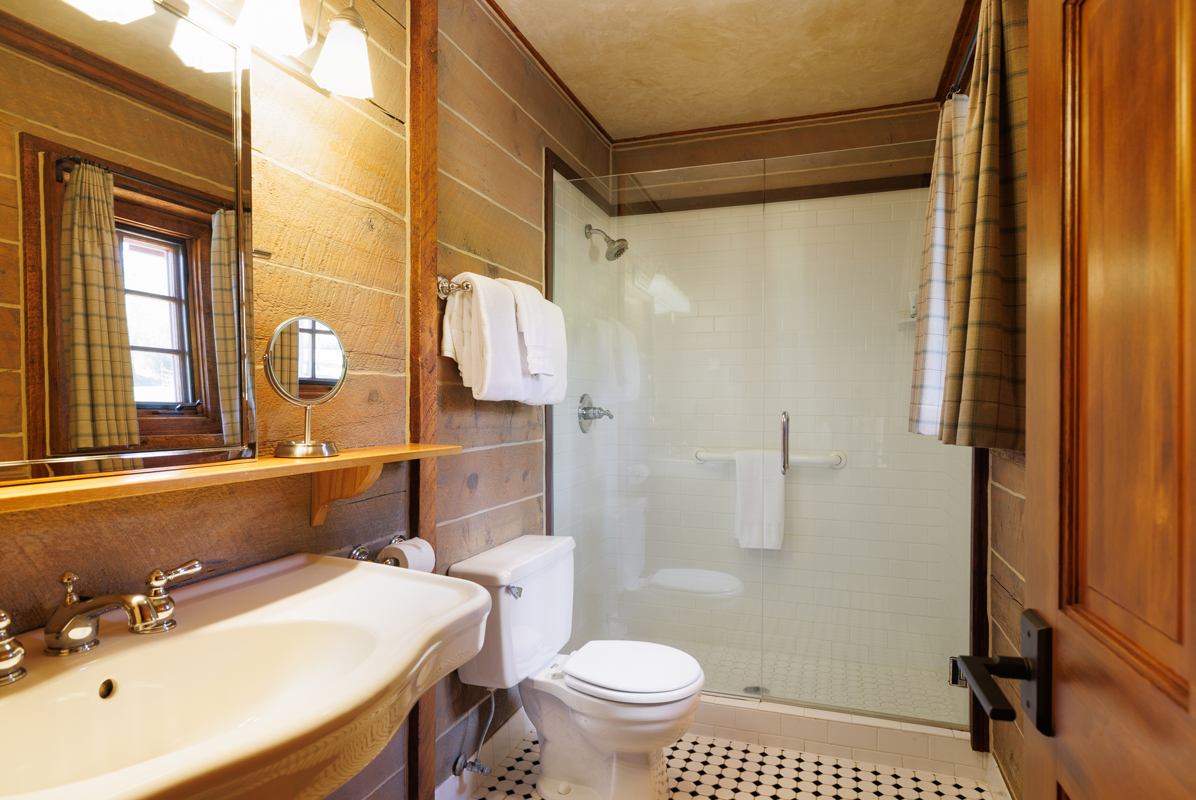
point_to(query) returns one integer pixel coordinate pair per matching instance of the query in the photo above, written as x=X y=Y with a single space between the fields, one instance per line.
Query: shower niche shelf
x=335 y=478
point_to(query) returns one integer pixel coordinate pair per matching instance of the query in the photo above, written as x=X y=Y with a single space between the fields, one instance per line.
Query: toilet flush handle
x=515 y=591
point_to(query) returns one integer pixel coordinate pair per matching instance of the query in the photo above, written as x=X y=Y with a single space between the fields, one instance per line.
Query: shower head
x=614 y=247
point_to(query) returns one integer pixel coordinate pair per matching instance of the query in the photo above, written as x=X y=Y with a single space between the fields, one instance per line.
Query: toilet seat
x=633 y=672
x=703 y=582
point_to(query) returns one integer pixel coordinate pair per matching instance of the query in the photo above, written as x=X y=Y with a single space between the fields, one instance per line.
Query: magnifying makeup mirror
x=306 y=364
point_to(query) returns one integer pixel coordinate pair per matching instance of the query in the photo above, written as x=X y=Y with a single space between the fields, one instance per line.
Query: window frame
x=179 y=301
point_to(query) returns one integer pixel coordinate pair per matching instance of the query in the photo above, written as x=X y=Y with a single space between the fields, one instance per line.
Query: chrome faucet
x=11 y=654
x=74 y=628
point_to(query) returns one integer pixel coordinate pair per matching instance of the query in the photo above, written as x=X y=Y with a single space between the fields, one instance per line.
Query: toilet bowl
x=600 y=741
x=604 y=713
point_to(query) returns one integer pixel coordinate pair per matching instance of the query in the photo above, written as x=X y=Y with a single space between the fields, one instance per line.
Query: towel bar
x=836 y=459
x=445 y=287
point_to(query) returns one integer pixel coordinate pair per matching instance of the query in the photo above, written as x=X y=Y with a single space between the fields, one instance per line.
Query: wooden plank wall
x=884 y=126
x=330 y=201
x=498 y=111
x=1007 y=597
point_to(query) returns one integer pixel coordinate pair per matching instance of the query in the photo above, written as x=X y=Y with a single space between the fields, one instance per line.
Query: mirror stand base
x=304 y=450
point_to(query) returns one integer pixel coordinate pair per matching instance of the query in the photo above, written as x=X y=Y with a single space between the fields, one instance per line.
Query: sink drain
x=756 y=691
x=107 y=689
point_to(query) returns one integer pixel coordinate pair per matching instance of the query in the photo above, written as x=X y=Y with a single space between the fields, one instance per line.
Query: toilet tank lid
x=510 y=562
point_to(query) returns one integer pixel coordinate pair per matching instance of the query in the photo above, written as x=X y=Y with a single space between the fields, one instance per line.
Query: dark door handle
x=1033 y=669
x=979 y=672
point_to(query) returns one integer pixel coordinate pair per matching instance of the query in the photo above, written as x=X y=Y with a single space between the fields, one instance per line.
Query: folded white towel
x=540 y=323
x=759 y=499
x=480 y=333
x=541 y=390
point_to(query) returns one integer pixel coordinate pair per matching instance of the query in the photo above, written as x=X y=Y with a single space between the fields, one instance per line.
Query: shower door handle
x=784 y=442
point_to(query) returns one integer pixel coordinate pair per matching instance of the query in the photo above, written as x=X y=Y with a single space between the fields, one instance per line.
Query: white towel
x=480 y=333
x=541 y=325
x=759 y=499
x=540 y=390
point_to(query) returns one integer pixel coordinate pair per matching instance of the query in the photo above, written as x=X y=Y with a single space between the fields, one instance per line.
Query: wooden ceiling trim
x=527 y=45
x=751 y=127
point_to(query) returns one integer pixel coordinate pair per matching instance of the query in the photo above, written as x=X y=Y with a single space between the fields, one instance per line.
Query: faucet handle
x=157 y=580
x=68 y=580
x=11 y=653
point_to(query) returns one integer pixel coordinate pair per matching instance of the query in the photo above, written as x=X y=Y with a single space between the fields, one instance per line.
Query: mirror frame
x=272 y=376
x=63 y=54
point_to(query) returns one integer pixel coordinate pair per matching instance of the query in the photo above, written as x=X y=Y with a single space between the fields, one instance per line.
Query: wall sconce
x=344 y=64
x=122 y=11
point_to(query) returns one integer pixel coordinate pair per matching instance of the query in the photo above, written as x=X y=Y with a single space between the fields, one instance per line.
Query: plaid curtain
x=101 y=408
x=938 y=262
x=286 y=358
x=224 y=319
x=984 y=382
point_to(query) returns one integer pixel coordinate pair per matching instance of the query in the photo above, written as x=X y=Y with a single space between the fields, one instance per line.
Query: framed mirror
x=124 y=241
x=306 y=364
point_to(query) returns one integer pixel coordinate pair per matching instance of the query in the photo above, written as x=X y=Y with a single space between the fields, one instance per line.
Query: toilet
x=604 y=713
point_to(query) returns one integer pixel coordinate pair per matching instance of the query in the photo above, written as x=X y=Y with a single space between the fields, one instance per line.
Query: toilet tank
x=524 y=632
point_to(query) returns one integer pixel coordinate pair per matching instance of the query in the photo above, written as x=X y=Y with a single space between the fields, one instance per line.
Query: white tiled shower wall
x=792 y=307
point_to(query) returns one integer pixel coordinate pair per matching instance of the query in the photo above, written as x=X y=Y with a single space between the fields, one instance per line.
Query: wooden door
x=1110 y=394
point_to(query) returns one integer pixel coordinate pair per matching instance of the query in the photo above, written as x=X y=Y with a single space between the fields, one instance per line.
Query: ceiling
x=659 y=66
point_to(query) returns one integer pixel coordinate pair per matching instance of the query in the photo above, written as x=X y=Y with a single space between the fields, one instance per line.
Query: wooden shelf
x=346 y=475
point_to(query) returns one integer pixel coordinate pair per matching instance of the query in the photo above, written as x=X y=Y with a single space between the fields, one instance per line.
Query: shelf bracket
x=339 y=484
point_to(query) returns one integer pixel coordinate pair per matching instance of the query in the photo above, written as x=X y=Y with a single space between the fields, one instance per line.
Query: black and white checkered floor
x=701 y=767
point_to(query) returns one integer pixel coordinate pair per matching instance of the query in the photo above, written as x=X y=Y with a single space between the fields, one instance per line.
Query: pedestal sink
x=280 y=681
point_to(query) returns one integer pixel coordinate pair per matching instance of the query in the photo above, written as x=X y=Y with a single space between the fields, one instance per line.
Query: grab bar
x=784 y=442
x=836 y=459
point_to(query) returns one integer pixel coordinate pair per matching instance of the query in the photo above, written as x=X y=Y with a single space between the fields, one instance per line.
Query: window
x=320 y=359
x=156 y=309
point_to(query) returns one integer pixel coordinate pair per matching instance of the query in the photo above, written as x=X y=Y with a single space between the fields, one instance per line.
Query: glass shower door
x=669 y=337
x=867 y=596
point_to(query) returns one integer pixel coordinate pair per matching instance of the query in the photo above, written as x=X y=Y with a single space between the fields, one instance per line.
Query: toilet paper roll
x=414 y=554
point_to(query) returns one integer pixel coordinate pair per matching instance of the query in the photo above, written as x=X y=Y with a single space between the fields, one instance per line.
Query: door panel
x=1127 y=278
x=1110 y=394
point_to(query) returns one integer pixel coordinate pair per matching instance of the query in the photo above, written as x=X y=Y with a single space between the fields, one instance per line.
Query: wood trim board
x=423 y=33
x=978 y=633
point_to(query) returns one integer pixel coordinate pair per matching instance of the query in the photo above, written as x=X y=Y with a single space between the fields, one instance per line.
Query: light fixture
x=122 y=11
x=201 y=50
x=344 y=65
x=276 y=26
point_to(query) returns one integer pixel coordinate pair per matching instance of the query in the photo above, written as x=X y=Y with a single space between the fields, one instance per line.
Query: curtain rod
x=60 y=169
x=963 y=67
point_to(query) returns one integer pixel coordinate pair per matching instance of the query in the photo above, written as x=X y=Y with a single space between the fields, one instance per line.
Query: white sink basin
x=280 y=681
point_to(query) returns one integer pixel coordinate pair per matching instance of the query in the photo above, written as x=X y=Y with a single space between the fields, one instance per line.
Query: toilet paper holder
x=362 y=553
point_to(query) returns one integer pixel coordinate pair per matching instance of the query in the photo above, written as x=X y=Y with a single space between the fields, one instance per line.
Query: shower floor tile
x=917 y=694
x=701 y=767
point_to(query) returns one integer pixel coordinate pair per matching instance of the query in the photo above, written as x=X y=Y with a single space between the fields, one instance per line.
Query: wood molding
x=978 y=634
x=961 y=42
x=19 y=34
x=746 y=127
x=423 y=34
x=502 y=15
x=341 y=484
x=916 y=181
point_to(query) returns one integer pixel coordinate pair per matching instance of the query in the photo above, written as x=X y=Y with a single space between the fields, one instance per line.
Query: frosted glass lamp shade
x=275 y=26
x=122 y=11
x=344 y=65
